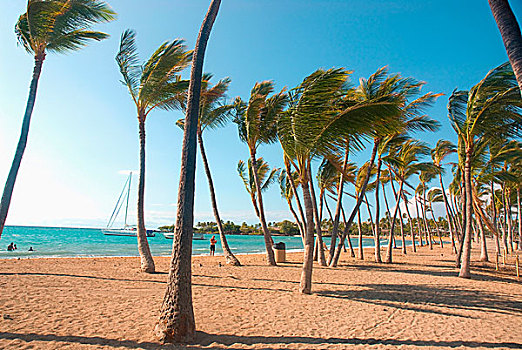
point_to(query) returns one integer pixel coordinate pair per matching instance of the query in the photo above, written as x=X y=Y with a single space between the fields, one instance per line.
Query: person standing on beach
x=213 y=242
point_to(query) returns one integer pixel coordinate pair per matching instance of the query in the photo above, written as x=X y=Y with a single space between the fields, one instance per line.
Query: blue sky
x=84 y=129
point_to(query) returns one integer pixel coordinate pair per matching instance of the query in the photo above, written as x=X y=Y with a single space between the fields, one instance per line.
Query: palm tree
x=287 y=193
x=156 y=84
x=510 y=32
x=313 y=126
x=265 y=175
x=56 y=26
x=176 y=322
x=214 y=114
x=491 y=108
x=397 y=90
x=256 y=122
x=403 y=162
x=442 y=149
x=434 y=195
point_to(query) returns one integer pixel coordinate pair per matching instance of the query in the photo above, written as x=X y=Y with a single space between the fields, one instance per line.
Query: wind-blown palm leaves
x=265 y=175
x=491 y=109
x=50 y=26
x=256 y=122
x=314 y=125
x=155 y=84
x=214 y=113
x=381 y=88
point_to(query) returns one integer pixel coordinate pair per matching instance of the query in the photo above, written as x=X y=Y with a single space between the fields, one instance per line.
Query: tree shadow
x=206 y=340
x=80 y=276
x=397 y=295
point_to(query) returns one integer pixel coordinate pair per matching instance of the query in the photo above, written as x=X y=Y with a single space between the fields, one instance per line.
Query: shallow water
x=85 y=242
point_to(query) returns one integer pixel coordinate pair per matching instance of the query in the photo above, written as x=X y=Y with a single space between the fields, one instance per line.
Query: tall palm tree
x=491 y=108
x=56 y=26
x=214 y=114
x=510 y=32
x=256 y=122
x=176 y=322
x=155 y=84
x=313 y=126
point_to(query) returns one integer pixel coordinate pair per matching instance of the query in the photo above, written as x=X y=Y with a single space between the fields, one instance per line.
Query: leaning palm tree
x=176 y=322
x=287 y=193
x=156 y=84
x=256 y=122
x=442 y=149
x=510 y=32
x=265 y=175
x=55 y=26
x=491 y=108
x=214 y=114
x=314 y=126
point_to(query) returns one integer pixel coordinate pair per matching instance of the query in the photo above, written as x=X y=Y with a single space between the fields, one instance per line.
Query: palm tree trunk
x=448 y=215
x=147 y=263
x=466 y=252
x=424 y=208
x=361 y=250
x=229 y=256
x=294 y=214
x=270 y=258
x=321 y=205
x=397 y=199
x=176 y=322
x=505 y=232
x=421 y=232
x=22 y=142
x=457 y=221
x=436 y=226
x=296 y=196
x=510 y=32
x=305 y=286
x=369 y=215
x=509 y=220
x=458 y=258
x=412 y=230
x=388 y=211
x=392 y=227
x=322 y=259
x=362 y=192
x=347 y=235
x=335 y=228
x=495 y=221
x=519 y=220
x=377 y=233
x=483 y=247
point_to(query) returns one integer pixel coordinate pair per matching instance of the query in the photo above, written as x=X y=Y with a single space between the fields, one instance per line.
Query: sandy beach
x=415 y=303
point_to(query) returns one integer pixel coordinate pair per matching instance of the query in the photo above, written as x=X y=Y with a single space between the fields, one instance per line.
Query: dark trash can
x=280 y=252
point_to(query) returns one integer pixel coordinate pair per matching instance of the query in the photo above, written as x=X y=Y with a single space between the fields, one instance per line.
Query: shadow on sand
x=223 y=341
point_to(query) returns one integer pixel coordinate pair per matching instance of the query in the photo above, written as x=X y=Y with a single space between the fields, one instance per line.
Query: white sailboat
x=126 y=230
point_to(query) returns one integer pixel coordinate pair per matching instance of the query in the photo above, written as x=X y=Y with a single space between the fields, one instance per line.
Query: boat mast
x=128 y=193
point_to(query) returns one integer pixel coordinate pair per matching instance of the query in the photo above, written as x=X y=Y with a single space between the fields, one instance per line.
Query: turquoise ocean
x=64 y=242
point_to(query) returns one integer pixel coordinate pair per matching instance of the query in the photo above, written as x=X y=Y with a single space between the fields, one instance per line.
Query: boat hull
x=196 y=237
x=127 y=233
